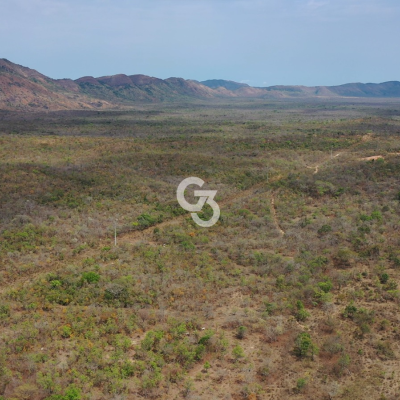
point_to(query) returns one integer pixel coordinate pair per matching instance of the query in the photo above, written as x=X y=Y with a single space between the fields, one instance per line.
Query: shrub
x=238 y=352
x=66 y=331
x=304 y=345
x=324 y=229
x=333 y=345
x=200 y=351
x=362 y=317
x=350 y=311
x=396 y=261
x=302 y=314
x=115 y=291
x=342 y=364
x=325 y=286
x=265 y=369
x=4 y=311
x=151 y=340
x=269 y=308
x=318 y=263
x=127 y=369
x=280 y=282
x=72 y=393
x=188 y=388
x=55 y=283
x=322 y=297
x=205 y=339
x=384 y=278
x=146 y=220
x=391 y=285
x=301 y=384
x=385 y=350
x=90 y=277
x=344 y=258
x=384 y=325
x=376 y=215
x=241 y=332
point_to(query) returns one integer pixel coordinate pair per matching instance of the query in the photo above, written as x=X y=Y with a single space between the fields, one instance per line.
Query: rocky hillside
x=22 y=88
x=141 y=88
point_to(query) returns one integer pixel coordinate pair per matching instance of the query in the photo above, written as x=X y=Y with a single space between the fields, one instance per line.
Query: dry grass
x=161 y=314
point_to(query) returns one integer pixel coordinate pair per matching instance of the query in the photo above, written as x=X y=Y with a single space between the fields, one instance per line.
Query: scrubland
x=293 y=294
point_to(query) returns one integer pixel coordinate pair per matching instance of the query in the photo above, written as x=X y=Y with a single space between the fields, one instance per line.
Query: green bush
x=344 y=258
x=301 y=314
x=72 y=393
x=241 y=332
x=238 y=352
x=55 y=283
x=304 y=345
x=269 y=308
x=90 y=277
x=301 y=384
x=325 y=286
x=66 y=331
x=151 y=340
x=349 y=311
x=384 y=278
x=4 y=311
x=324 y=229
x=205 y=339
x=146 y=220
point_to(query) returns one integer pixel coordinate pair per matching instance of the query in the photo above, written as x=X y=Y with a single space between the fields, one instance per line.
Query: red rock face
x=25 y=89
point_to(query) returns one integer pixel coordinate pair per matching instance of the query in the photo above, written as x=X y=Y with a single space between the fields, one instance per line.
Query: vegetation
x=293 y=293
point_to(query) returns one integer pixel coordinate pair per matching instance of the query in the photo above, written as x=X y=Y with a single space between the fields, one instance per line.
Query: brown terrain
x=110 y=291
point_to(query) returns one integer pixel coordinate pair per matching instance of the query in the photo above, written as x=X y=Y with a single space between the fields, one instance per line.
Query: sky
x=258 y=42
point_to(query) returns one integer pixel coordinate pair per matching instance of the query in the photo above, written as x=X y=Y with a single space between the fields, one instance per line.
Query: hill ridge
x=23 y=88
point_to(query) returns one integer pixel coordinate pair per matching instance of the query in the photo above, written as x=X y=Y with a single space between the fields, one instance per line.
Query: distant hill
x=218 y=83
x=141 y=88
x=22 y=88
x=386 y=89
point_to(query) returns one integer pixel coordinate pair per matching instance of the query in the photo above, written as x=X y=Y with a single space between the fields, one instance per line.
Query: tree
x=304 y=345
x=302 y=314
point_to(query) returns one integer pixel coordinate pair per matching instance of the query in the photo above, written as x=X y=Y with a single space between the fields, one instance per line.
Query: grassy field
x=293 y=294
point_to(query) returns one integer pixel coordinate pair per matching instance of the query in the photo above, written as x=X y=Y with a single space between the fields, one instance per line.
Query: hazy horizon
x=258 y=42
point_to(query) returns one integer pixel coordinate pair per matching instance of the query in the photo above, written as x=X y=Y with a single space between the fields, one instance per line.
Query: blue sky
x=260 y=42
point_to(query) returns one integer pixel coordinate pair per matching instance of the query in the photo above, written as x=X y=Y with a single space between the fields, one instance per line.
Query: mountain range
x=22 y=88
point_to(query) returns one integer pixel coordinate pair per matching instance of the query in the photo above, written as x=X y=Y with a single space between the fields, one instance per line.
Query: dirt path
x=133 y=237
x=136 y=237
x=316 y=168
